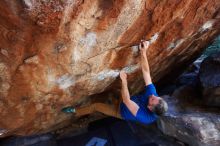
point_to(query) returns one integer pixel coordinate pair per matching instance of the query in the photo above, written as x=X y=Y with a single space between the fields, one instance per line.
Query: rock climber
x=144 y=108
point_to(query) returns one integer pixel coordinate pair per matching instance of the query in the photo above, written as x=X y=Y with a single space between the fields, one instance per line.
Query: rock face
x=194 y=129
x=209 y=76
x=59 y=53
x=192 y=116
x=190 y=122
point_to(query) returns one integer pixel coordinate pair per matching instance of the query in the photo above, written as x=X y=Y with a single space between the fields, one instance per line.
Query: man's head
x=157 y=105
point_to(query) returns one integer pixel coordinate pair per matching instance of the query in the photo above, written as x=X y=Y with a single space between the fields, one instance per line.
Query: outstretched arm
x=131 y=105
x=144 y=62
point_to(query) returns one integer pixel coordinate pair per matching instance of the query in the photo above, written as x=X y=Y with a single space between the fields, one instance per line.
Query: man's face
x=153 y=100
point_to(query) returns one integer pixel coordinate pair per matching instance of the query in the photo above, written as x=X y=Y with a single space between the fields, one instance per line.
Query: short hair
x=160 y=108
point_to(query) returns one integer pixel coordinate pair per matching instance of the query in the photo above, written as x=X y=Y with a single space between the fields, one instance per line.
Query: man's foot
x=69 y=109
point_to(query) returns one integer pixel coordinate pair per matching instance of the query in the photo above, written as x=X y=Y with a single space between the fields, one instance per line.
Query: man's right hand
x=123 y=77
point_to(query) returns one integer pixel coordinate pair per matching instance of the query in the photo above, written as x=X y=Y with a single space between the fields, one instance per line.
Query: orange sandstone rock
x=59 y=53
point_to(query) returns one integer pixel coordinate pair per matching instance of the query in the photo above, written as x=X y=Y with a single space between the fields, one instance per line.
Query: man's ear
x=149 y=107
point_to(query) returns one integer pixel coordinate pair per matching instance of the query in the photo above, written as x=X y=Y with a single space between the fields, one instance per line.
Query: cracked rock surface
x=61 y=52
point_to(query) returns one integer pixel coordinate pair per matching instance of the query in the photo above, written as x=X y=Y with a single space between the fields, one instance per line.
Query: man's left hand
x=143 y=46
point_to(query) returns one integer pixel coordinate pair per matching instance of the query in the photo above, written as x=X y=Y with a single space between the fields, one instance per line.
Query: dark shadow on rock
x=209 y=77
x=35 y=140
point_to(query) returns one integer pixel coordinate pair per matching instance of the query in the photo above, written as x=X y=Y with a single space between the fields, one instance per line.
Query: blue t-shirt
x=144 y=115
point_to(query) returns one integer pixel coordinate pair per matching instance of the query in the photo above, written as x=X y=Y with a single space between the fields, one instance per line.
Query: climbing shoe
x=69 y=110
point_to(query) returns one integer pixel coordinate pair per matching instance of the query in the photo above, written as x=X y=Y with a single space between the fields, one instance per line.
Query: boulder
x=193 y=129
x=59 y=53
x=188 y=118
x=209 y=76
x=189 y=121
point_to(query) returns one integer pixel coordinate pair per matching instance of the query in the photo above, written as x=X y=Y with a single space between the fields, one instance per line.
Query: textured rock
x=209 y=76
x=196 y=130
x=188 y=121
x=57 y=53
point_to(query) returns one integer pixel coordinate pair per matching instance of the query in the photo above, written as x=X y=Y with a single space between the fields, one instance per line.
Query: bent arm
x=131 y=105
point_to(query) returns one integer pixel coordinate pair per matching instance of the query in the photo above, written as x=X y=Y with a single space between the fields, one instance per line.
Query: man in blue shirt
x=147 y=106
x=143 y=108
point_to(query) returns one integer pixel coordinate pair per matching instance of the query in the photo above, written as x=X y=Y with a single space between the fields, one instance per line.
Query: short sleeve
x=148 y=90
x=145 y=117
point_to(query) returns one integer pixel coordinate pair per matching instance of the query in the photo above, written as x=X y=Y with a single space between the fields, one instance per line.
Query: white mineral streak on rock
x=65 y=81
x=114 y=73
x=171 y=46
x=135 y=49
x=28 y=3
x=2 y=131
x=50 y=78
x=154 y=38
x=131 y=68
x=176 y=44
x=179 y=42
x=76 y=55
x=88 y=41
x=4 y=52
x=107 y=74
x=207 y=25
x=33 y=59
